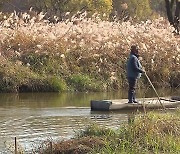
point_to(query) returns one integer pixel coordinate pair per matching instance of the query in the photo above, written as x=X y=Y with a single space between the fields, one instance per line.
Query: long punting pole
x=154 y=90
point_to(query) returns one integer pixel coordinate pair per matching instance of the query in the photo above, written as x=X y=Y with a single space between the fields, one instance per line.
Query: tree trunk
x=176 y=16
x=169 y=7
x=173 y=15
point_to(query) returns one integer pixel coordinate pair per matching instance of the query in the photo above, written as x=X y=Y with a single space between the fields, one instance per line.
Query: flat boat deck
x=121 y=104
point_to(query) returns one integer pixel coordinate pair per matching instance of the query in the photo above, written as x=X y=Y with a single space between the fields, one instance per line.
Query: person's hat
x=134 y=47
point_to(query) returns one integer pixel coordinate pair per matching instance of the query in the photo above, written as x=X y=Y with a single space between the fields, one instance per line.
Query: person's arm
x=135 y=65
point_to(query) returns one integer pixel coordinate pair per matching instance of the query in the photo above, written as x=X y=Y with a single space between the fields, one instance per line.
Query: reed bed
x=84 y=47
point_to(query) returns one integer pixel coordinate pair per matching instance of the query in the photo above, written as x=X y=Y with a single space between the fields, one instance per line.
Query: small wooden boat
x=177 y=98
x=144 y=103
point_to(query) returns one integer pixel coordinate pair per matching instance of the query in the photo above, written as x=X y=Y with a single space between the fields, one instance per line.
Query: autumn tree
x=158 y=7
x=59 y=7
x=137 y=9
x=2 y=2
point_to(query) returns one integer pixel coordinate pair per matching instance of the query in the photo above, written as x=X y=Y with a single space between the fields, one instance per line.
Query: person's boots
x=134 y=98
x=130 y=97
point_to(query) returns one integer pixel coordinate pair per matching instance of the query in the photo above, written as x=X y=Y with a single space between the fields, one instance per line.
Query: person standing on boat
x=134 y=70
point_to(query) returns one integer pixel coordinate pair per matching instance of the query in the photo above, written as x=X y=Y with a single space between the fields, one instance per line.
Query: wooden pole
x=154 y=90
x=15 y=146
x=51 y=147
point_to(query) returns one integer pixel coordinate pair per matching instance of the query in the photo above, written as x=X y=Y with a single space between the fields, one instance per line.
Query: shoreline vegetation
x=83 y=54
x=153 y=132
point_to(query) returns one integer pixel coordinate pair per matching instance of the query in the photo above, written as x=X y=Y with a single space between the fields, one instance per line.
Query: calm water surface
x=34 y=118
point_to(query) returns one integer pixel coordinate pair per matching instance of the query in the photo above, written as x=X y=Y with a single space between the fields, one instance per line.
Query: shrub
x=83 y=83
x=57 y=84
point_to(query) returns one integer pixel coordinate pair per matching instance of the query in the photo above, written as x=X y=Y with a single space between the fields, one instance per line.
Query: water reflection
x=46 y=100
x=54 y=99
x=34 y=126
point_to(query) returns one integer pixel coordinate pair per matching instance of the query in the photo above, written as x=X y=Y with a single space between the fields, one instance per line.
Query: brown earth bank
x=76 y=146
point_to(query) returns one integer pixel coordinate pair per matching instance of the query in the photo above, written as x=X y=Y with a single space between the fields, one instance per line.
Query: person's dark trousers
x=131 y=91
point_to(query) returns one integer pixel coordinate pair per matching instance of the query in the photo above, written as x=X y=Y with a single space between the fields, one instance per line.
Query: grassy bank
x=150 y=133
x=83 y=54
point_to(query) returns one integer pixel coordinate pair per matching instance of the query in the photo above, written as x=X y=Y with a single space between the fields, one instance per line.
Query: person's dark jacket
x=134 y=68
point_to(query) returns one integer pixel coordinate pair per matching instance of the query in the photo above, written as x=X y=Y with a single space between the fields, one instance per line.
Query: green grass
x=151 y=133
x=145 y=134
x=57 y=84
x=83 y=83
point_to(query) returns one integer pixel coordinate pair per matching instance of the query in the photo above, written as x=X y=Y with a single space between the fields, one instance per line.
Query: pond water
x=37 y=117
